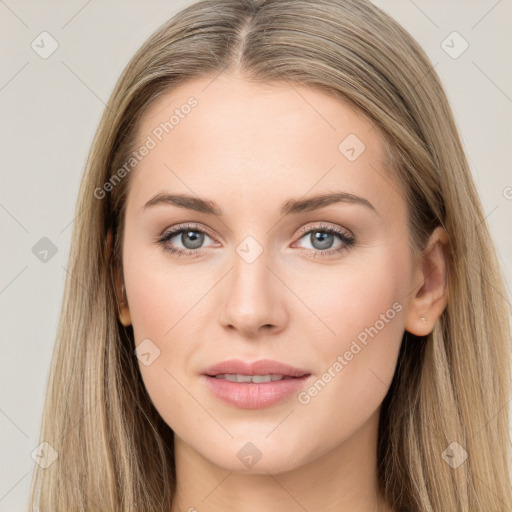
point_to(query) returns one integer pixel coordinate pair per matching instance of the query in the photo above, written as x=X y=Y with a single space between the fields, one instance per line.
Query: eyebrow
x=292 y=206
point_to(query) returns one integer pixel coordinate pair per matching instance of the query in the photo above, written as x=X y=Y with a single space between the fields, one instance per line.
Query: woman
x=283 y=293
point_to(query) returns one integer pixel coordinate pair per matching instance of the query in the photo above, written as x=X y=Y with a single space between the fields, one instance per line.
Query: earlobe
x=122 y=301
x=124 y=314
x=429 y=296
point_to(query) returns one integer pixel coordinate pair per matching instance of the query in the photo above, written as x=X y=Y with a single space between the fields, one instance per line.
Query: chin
x=259 y=456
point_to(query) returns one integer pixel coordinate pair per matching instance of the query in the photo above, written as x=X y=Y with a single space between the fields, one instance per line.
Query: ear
x=122 y=301
x=430 y=293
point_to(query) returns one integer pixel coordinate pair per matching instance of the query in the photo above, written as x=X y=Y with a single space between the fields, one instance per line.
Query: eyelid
x=323 y=225
x=190 y=226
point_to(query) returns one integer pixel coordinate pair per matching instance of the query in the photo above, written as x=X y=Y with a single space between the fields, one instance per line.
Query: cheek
x=160 y=295
x=362 y=323
x=356 y=296
x=158 y=307
x=154 y=301
x=167 y=304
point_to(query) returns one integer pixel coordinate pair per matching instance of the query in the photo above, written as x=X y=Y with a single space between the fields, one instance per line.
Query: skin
x=250 y=148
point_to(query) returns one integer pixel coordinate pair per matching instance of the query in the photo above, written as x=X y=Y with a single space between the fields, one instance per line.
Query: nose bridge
x=253 y=299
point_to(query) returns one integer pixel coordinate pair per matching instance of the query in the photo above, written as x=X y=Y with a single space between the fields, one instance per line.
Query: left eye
x=321 y=240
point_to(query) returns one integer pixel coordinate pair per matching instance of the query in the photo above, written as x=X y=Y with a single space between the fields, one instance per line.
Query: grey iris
x=321 y=239
x=196 y=237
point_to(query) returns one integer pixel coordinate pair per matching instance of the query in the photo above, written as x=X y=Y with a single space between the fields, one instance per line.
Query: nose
x=253 y=301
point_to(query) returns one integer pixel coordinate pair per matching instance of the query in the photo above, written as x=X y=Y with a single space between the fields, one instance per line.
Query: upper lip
x=260 y=367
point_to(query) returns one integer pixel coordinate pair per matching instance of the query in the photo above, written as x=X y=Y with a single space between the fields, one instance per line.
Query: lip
x=260 y=367
x=250 y=395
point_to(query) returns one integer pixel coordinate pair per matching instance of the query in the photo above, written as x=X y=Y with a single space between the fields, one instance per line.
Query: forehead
x=231 y=106
x=225 y=136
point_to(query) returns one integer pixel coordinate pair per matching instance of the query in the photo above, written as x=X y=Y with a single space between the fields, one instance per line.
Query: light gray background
x=50 y=109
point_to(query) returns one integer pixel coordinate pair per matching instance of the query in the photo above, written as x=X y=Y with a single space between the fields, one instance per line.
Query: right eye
x=190 y=237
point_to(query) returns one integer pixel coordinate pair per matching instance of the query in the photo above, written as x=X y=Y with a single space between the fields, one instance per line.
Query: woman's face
x=273 y=274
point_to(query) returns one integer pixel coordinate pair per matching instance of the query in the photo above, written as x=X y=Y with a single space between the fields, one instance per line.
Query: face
x=274 y=273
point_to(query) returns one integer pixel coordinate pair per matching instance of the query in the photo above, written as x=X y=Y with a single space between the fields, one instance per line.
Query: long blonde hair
x=114 y=450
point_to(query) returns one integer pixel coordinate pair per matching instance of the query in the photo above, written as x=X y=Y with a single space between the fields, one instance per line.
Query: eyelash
x=348 y=241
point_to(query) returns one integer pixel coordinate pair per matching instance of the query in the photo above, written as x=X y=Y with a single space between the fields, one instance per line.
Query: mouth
x=257 y=379
x=268 y=368
x=254 y=385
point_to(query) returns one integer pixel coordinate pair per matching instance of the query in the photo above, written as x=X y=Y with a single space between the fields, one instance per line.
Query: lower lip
x=250 y=395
